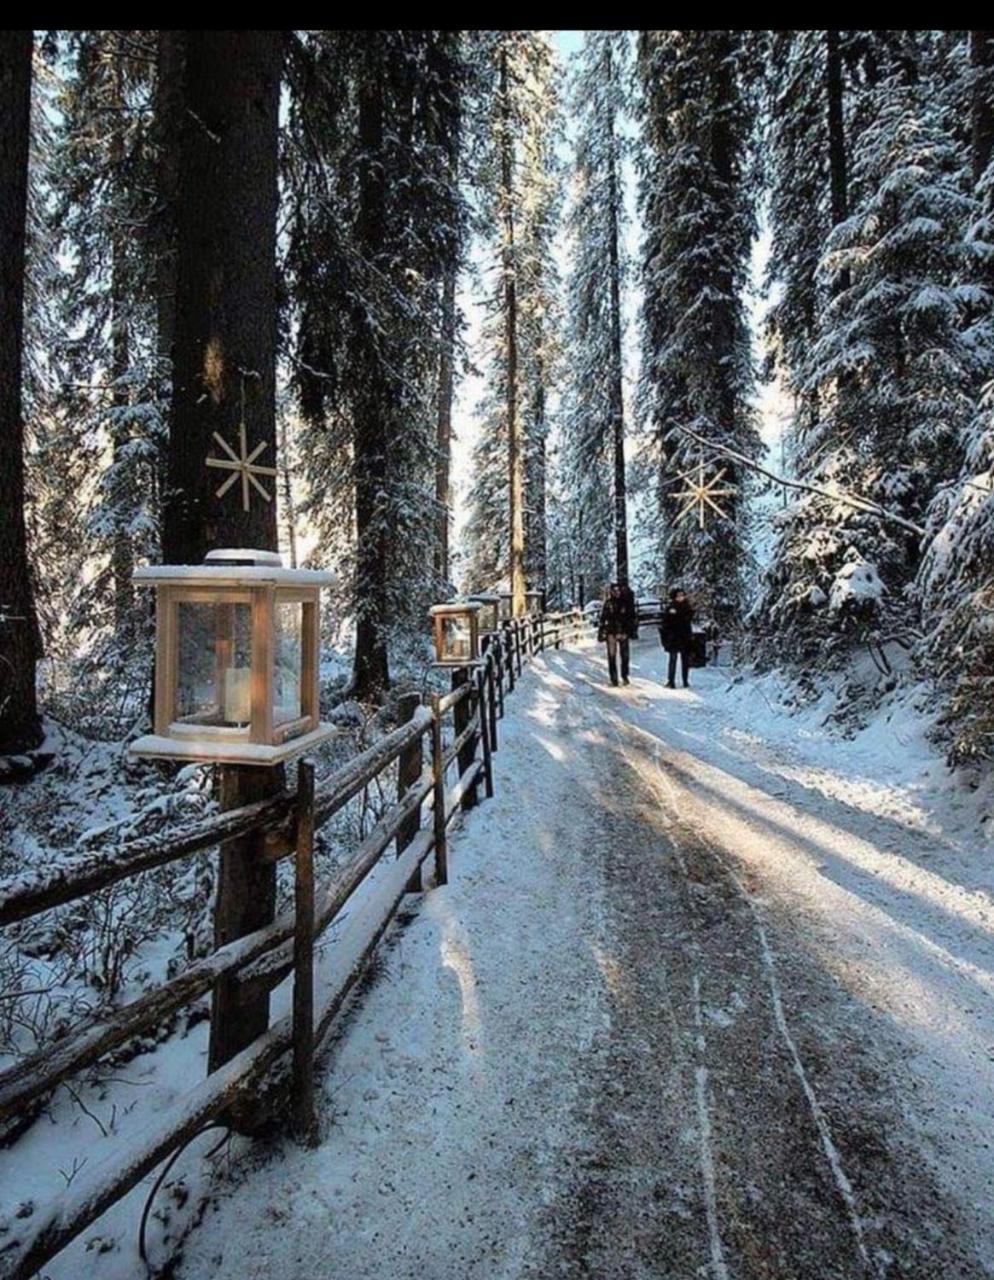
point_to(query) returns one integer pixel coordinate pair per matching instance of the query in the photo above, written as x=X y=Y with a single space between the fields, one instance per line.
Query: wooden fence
x=440 y=770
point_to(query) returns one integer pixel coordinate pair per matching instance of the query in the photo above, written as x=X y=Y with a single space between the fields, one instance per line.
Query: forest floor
x=708 y=994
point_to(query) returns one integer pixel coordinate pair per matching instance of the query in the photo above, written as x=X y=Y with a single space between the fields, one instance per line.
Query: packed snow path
x=691 y=1006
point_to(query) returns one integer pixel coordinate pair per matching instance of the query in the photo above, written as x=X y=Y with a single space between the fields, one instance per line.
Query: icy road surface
x=696 y=1003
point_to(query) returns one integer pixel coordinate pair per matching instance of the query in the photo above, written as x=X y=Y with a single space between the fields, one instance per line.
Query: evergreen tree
x=594 y=425
x=518 y=180
x=20 y=727
x=110 y=382
x=698 y=115
x=376 y=226
x=891 y=347
x=956 y=581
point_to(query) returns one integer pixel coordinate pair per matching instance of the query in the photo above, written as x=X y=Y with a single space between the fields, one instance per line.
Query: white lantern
x=236 y=650
x=505 y=611
x=488 y=618
x=455 y=633
x=534 y=601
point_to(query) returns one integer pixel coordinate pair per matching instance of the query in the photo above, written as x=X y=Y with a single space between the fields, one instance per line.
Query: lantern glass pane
x=214 y=671
x=288 y=660
x=486 y=618
x=456 y=636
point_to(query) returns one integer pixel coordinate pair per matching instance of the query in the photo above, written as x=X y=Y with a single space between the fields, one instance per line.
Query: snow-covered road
x=698 y=1001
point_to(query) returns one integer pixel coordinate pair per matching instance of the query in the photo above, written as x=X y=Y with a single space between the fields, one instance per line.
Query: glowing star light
x=242 y=464
x=700 y=493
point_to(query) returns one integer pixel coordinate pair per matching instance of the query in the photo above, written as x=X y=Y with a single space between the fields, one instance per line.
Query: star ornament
x=700 y=493
x=242 y=465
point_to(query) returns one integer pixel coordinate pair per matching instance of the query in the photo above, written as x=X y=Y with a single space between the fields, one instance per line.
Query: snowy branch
x=848 y=499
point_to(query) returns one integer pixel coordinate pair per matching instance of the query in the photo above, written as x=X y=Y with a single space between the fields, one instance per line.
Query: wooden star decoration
x=242 y=464
x=700 y=493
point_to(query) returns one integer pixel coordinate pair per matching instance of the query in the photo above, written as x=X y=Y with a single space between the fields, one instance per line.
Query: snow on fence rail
x=264 y=958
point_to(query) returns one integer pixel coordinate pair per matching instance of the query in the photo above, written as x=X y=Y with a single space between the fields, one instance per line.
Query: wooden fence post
x=481 y=702
x=438 y=780
x=509 y=654
x=246 y=901
x=303 y=959
x=491 y=703
x=499 y=673
x=409 y=766
x=518 y=646
x=462 y=713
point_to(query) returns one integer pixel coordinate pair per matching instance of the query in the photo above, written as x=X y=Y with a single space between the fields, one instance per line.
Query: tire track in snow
x=704 y=1139
x=828 y=1144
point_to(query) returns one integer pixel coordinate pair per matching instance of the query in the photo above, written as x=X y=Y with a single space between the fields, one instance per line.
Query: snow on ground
x=448 y=1103
x=451 y=1097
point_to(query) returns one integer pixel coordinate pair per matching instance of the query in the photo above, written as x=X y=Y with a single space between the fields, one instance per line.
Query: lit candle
x=238 y=695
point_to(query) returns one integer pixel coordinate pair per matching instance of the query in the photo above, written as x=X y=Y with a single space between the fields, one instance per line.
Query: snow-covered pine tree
x=698 y=117
x=540 y=320
x=956 y=581
x=517 y=178
x=891 y=368
x=106 y=382
x=375 y=223
x=593 y=446
x=807 y=90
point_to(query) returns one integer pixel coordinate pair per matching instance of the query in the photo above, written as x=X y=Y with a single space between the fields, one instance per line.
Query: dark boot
x=612 y=669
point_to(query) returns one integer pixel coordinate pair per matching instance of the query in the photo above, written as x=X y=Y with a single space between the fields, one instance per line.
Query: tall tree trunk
x=443 y=440
x=224 y=350
x=616 y=372
x=370 y=442
x=289 y=511
x=982 y=103
x=170 y=58
x=536 y=495
x=515 y=453
x=837 y=175
x=122 y=560
x=224 y=374
x=166 y=133
x=20 y=726
x=723 y=331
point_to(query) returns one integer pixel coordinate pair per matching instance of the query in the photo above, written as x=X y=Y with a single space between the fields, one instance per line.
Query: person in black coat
x=614 y=630
x=630 y=613
x=676 y=634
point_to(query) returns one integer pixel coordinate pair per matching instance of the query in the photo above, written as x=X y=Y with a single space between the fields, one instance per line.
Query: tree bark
x=224 y=374
x=169 y=73
x=224 y=368
x=537 y=541
x=982 y=102
x=370 y=443
x=20 y=648
x=443 y=441
x=617 y=386
x=122 y=560
x=723 y=307
x=515 y=453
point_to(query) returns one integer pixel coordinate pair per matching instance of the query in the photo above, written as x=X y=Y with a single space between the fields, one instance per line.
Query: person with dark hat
x=676 y=634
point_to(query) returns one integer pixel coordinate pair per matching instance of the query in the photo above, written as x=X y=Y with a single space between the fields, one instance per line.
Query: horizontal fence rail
x=263 y=959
